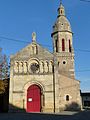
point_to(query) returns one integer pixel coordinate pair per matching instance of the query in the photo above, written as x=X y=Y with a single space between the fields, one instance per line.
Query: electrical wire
x=22 y=41
x=81 y=50
x=84 y=0
x=11 y=39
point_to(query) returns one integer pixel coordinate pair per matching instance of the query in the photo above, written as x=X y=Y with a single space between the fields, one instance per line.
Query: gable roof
x=26 y=52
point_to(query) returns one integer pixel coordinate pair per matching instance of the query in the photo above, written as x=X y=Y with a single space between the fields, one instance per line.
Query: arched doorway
x=34 y=99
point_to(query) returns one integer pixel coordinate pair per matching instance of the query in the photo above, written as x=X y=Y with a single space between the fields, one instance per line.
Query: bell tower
x=63 y=43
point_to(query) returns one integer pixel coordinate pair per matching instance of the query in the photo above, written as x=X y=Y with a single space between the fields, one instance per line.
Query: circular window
x=64 y=62
x=34 y=67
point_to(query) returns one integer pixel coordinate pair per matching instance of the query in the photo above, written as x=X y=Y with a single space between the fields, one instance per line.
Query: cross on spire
x=33 y=37
x=60 y=2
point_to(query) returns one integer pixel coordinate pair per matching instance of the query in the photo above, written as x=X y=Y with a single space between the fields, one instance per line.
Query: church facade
x=41 y=81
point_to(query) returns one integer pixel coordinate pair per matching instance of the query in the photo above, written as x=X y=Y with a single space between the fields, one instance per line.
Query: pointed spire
x=61 y=10
x=33 y=37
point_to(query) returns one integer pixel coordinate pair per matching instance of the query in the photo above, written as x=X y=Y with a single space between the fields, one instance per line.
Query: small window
x=63 y=45
x=56 y=45
x=64 y=62
x=69 y=46
x=67 y=97
x=61 y=11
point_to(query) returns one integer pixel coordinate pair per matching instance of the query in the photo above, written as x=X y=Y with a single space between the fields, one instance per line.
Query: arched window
x=61 y=11
x=56 y=42
x=63 y=45
x=69 y=46
x=67 y=97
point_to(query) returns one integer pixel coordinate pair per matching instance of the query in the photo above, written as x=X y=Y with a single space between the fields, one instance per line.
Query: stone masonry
x=54 y=73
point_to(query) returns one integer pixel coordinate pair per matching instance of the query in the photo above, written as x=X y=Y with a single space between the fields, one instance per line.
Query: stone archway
x=40 y=88
x=34 y=98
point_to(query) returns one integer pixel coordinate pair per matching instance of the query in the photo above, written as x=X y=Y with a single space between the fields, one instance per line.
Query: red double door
x=33 y=99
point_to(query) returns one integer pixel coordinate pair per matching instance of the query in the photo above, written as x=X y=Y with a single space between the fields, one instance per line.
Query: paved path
x=85 y=115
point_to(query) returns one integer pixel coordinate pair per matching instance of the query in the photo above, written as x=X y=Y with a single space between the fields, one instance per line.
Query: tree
x=2 y=87
x=4 y=72
x=4 y=67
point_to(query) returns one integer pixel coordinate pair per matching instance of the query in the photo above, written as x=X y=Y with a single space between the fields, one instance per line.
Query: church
x=41 y=81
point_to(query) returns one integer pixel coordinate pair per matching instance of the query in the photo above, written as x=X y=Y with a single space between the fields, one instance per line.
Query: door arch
x=34 y=98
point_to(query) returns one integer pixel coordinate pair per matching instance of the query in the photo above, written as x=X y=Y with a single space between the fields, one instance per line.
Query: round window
x=64 y=62
x=34 y=67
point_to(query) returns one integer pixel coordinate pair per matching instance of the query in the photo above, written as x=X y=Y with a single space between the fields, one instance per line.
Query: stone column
x=45 y=67
x=20 y=67
x=25 y=67
x=50 y=67
x=41 y=67
x=16 y=67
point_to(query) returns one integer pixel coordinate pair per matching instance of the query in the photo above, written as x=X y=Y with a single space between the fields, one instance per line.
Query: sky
x=19 y=18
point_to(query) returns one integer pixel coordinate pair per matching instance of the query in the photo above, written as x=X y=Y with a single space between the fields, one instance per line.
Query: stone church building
x=41 y=81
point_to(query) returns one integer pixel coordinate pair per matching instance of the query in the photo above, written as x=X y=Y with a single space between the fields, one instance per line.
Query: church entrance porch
x=34 y=99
